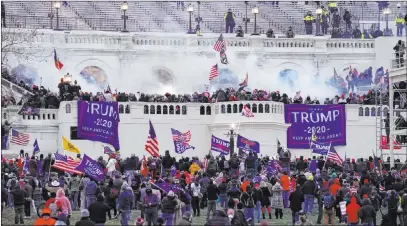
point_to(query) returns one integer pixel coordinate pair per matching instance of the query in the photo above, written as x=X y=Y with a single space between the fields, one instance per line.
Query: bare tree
x=21 y=44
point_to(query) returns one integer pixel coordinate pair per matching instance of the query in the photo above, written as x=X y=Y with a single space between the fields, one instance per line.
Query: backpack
x=250 y=202
x=234 y=163
x=225 y=164
x=329 y=201
x=113 y=193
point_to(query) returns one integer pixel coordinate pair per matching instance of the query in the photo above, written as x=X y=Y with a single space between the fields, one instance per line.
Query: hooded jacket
x=335 y=187
x=367 y=212
x=66 y=204
x=126 y=197
x=219 y=218
x=194 y=168
x=168 y=205
x=352 y=210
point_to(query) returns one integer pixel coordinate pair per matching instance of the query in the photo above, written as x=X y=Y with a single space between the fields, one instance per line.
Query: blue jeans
x=125 y=218
x=295 y=216
x=308 y=203
x=74 y=200
x=89 y=200
x=223 y=201
x=187 y=207
x=168 y=218
x=286 y=194
x=249 y=214
x=258 y=210
x=400 y=30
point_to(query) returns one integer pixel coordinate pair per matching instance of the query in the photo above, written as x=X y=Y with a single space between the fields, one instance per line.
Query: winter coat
x=168 y=205
x=219 y=218
x=308 y=188
x=85 y=222
x=97 y=212
x=194 y=168
x=277 y=199
x=367 y=212
x=32 y=167
x=296 y=199
x=126 y=199
x=73 y=184
x=285 y=182
x=66 y=204
x=18 y=196
x=352 y=210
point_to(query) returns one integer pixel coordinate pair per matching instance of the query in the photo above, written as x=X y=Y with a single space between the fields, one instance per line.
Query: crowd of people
x=244 y=190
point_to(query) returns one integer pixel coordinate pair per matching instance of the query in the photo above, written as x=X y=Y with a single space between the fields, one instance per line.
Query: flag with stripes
x=152 y=142
x=214 y=72
x=353 y=190
x=19 y=138
x=181 y=141
x=173 y=170
x=334 y=157
x=247 y=112
x=110 y=152
x=66 y=164
x=220 y=44
x=381 y=188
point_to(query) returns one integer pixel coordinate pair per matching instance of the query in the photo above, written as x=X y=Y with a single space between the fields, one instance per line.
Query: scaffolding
x=396 y=122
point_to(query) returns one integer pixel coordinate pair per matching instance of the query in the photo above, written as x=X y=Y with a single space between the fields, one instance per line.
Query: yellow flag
x=68 y=146
x=313 y=136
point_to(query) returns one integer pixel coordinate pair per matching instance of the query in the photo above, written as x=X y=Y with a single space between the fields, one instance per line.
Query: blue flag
x=248 y=145
x=91 y=168
x=181 y=141
x=36 y=148
x=320 y=148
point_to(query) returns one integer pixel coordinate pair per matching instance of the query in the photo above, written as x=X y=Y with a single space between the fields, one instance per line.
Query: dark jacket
x=367 y=212
x=168 y=205
x=296 y=199
x=219 y=218
x=18 y=196
x=167 y=162
x=85 y=222
x=97 y=212
x=212 y=192
x=308 y=188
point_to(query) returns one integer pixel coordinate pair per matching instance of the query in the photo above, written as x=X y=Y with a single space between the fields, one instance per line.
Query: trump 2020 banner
x=219 y=145
x=320 y=148
x=247 y=145
x=99 y=121
x=91 y=168
x=327 y=121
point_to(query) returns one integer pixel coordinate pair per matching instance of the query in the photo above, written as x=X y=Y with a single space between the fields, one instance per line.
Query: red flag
x=386 y=146
x=58 y=63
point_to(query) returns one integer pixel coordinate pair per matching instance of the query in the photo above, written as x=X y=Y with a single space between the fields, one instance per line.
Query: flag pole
x=49 y=170
x=330 y=144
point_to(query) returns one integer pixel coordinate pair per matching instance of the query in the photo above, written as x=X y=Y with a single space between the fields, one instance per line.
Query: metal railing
x=398 y=60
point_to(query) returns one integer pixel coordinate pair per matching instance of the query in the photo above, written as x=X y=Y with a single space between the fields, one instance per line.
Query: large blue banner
x=99 y=121
x=219 y=145
x=320 y=148
x=91 y=168
x=328 y=122
x=248 y=145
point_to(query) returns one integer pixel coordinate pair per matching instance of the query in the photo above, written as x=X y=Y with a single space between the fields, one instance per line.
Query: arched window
x=121 y=109
x=202 y=110
x=49 y=116
x=43 y=116
x=184 y=110
x=152 y=109
x=260 y=108
x=367 y=111
x=68 y=108
x=158 y=109
x=53 y=116
x=373 y=111
x=29 y=117
x=229 y=109
x=145 y=109
x=177 y=110
x=235 y=108
x=254 y=108
x=273 y=108
x=240 y=108
x=23 y=116
x=165 y=109
x=379 y=112
x=171 y=109
x=360 y=111
x=222 y=109
x=127 y=110
x=208 y=110
x=267 y=108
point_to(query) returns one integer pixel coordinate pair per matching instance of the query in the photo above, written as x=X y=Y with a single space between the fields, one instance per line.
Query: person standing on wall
x=308 y=21
x=229 y=18
x=399 y=24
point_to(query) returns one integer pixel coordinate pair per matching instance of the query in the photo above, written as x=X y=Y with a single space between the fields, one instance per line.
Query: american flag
x=247 y=112
x=152 y=143
x=220 y=44
x=353 y=190
x=214 y=72
x=181 y=137
x=66 y=164
x=333 y=156
x=205 y=163
x=19 y=138
x=108 y=151
x=381 y=188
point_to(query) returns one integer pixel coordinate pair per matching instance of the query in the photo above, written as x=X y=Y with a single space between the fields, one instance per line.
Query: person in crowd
x=229 y=18
x=329 y=202
x=213 y=193
x=400 y=51
x=125 y=203
x=82 y=188
x=85 y=220
x=219 y=218
x=239 y=32
x=285 y=184
x=303 y=221
x=62 y=219
x=18 y=202
x=296 y=199
x=400 y=23
x=270 y=33
x=308 y=21
x=45 y=218
x=92 y=190
x=249 y=199
x=98 y=211
x=392 y=202
x=290 y=33
x=352 y=211
x=265 y=199
x=367 y=213
x=73 y=188
x=150 y=202
x=186 y=219
x=309 y=189
x=66 y=207
x=168 y=206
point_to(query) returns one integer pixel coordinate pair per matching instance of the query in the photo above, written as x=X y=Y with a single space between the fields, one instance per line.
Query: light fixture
x=318 y=11
x=57 y=5
x=255 y=10
x=124 y=6
x=190 y=8
x=387 y=11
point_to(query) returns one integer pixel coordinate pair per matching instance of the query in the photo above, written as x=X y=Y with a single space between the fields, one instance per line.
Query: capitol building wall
x=159 y=63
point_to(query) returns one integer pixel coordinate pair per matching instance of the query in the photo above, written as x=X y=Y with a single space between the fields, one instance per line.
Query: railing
x=398 y=60
x=14 y=87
